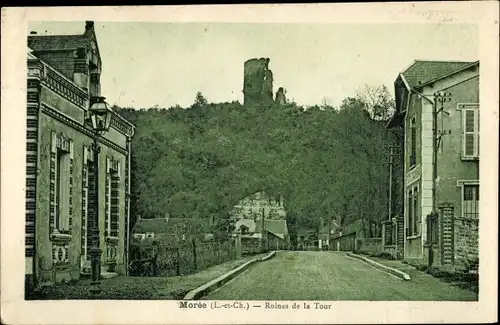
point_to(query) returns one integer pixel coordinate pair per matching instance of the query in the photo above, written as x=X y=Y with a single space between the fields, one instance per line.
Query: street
x=331 y=276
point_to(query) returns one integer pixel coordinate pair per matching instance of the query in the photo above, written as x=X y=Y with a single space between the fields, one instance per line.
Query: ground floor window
x=470 y=201
x=413 y=208
x=61 y=184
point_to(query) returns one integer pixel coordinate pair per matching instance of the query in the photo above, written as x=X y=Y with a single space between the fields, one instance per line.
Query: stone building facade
x=62 y=83
x=257 y=205
x=451 y=153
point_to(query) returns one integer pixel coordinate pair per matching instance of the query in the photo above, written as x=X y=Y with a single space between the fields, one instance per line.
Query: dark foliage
x=198 y=162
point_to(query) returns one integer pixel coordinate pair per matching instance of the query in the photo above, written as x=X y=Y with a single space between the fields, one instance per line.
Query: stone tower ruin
x=258 y=83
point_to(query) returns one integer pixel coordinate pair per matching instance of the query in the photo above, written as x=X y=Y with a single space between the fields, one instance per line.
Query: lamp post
x=100 y=117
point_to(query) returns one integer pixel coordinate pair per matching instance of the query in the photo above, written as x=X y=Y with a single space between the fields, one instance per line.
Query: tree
x=200 y=100
x=378 y=100
x=199 y=162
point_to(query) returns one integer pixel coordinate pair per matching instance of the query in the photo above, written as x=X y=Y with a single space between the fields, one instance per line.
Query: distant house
x=326 y=231
x=174 y=228
x=441 y=168
x=306 y=237
x=344 y=236
x=275 y=231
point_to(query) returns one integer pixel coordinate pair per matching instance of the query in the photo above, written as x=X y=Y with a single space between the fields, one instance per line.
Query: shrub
x=385 y=255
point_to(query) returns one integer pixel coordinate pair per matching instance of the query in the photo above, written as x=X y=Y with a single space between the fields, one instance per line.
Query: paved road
x=330 y=276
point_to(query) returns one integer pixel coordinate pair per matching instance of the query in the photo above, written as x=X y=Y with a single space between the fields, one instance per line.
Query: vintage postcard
x=250 y=164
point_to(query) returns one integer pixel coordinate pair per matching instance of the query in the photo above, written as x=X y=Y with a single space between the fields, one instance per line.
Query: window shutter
x=476 y=130
x=471 y=132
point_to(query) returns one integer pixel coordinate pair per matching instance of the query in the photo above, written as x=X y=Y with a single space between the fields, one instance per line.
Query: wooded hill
x=199 y=161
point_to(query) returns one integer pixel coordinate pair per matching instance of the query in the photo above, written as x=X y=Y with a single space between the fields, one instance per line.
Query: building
x=268 y=234
x=261 y=220
x=62 y=83
x=437 y=110
x=253 y=206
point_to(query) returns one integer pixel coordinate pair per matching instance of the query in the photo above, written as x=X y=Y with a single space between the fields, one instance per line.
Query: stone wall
x=250 y=245
x=467 y=243
x=371 y=246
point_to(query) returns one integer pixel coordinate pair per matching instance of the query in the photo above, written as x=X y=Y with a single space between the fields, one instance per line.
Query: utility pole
x=394 y=221
x=391 y=163
x=436 y=138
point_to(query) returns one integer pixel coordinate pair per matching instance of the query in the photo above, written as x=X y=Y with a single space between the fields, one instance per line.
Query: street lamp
x=100 y=117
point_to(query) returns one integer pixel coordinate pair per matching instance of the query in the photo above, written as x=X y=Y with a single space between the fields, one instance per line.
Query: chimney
x=33 y=33
x=89 y=26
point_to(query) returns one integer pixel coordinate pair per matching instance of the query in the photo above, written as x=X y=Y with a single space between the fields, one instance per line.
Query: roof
x=30 y=55
x=151 y=225
x=328 y=228
x=276 y=227
x=305 y=231
x=57 y=42
x=167 y=225
x=423 y=72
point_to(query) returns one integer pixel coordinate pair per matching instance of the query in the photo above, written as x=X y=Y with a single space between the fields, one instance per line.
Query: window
x=413 y=212
x=90 y=201
x=243 y=229
x=416 y=211
x=112 y=197
x=61 y=184
x=410 y=213
x=85 y=240
x=470 y=130
x=413 y=144
x=470 y=201
x=60 y=222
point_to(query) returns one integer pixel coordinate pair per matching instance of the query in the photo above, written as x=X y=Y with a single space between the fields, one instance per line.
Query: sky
x=165 y=64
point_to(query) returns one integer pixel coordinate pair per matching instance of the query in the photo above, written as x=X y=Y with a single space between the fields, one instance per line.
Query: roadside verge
x=223 y=279
x=393 y=271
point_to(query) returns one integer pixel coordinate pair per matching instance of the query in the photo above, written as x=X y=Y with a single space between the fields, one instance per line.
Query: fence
x=157 y=258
